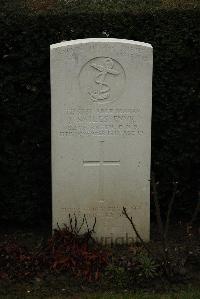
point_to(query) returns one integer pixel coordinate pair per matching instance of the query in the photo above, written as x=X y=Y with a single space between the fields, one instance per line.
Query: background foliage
x=26 y=32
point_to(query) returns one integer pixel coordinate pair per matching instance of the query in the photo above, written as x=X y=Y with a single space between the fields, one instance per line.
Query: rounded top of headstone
x=100 y=40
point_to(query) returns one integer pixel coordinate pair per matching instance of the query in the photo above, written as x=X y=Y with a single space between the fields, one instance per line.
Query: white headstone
x=101 y=134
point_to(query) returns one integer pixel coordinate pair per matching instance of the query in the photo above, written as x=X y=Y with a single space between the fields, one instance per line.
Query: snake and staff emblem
x=102 y=92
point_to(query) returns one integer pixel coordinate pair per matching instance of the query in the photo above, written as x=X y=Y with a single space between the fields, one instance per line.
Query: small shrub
x=66 y=251
x=79 y=254
x=148 y=268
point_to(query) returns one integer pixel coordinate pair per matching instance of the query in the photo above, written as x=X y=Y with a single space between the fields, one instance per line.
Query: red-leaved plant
x=66 y=251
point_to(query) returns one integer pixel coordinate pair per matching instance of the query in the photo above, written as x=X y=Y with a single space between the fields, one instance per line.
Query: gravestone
x=101 y=93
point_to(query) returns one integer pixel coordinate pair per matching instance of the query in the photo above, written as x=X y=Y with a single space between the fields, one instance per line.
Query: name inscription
x=100 y=122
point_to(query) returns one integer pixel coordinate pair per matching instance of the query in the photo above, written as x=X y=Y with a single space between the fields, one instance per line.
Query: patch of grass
x=192 y=294
x=187 y=294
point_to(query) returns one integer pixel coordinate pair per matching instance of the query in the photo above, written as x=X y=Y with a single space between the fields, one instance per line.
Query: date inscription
x=101 y=122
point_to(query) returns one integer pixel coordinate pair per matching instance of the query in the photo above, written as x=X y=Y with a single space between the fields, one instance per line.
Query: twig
x=81 y=225
x=196 y=211
x=169 y=209
x=95 y=221
x=86 y=223
x=157 y=207
x=58 y=227
x=75 y=223
x=124 y=212
x=70 y=222
x=90 y=231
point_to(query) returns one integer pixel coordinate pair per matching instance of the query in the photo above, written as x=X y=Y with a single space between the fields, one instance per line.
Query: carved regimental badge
x=102 y=80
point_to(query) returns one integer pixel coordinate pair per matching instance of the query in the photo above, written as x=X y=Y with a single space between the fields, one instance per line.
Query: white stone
x=101 y=93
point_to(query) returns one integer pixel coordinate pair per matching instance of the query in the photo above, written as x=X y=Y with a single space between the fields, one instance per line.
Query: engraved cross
x=100 y=164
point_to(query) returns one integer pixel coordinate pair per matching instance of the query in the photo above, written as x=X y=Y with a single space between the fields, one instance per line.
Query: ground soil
x=183 y=241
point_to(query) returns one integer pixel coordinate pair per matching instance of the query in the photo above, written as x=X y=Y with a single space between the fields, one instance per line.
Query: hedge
x=25 y=177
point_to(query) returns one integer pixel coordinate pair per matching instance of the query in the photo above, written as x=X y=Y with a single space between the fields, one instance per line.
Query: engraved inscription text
x=101 y=122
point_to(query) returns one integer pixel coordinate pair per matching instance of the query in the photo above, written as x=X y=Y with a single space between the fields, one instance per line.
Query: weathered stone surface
x=101 y=134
